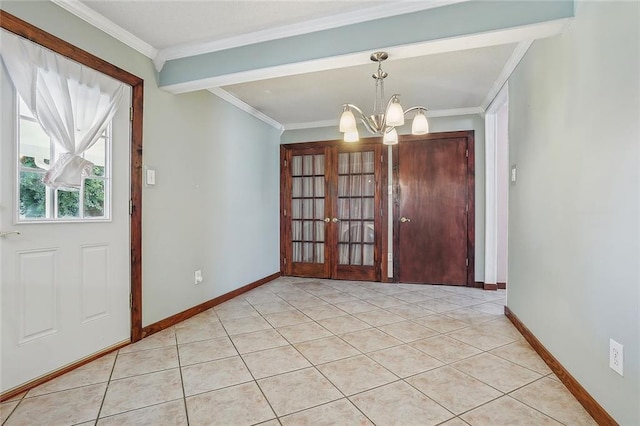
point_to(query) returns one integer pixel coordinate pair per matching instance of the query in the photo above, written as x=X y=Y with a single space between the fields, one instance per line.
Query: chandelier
x=383 y=121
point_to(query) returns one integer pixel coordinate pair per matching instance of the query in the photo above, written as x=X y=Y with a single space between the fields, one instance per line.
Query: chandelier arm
x=363 y=118
x=415 y=108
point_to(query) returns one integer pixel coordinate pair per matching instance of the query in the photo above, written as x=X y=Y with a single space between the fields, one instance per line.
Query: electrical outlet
x=616 y=356
x=197 y=276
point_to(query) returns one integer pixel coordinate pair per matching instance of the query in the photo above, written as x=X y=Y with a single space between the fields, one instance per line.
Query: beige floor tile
x=356 y=374
x=385 y=301
x=283 y=319
x=206 y=350
x=455 y=422
x=168 y=413
x=303 y=332
x=408 y=331
x=553 y=399
x=356 y=307
x=212 y=375
x=370 y=340
x=270 y=362
x=400 y=404
x=521 y=353
x=489 y=308
x=245 y=325
x=341 y=412
x=338 y=298
x=341 y=325
x=142 y=362
x=166 y=337
x=409 y=311
x=298 y=390
x=273 y=422
x=325 y=350
x=198 y=332
x=439 y=305
x=323 y=312
x=441 y=323
x=258 y=340
x=462 y=300
x=97 y=371
x=6 y=408
x=502 y=325
x=310 y=302
x=506 y=411
x=480 y=337
x=413 y=297
x=231 y=313
x=470 y=316
x=454 y=390
x=497 y=372
x=60 y=408
x=405 y=361
x=237 y=405
x=141 y=391
x=273 y=307
x=445 y=348
x=379 y=317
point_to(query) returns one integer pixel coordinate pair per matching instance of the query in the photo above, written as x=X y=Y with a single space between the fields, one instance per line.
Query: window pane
x=356 y=162
x=368 y=255
x=33 y=196
x=369 y=185
x=34 y=143
x=68 y=204
x=319 y=164
x=296 y=209
x=307 y=230
x=296 y=190
x=319 y=186
x=356 y=254
x=320 y=208
x=343 y=254
x=319 y=230
x=319 y=257
x=296 y=166
x=308 y=165
x=97 y=155
x=307 y=252
x=367 y=160
x=369 y=232
x=343 y=163
x=296 y=230
x=94 y=198
x=297 y=252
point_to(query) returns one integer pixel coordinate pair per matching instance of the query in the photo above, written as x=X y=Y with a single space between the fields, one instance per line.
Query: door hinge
x=285 y=163
x=285 y=212
x=380 y=211
x=466 y=208
x=131 y=300
x=467 y=262
x=381 y=159
x=130 y=207
x=131 y=114
x=284 y=260
x=466 y=153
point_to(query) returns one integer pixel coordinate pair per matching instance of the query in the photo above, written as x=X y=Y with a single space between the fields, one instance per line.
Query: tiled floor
x=318 y=352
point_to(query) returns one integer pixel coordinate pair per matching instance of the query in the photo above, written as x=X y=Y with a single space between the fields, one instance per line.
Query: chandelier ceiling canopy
x=385 y=117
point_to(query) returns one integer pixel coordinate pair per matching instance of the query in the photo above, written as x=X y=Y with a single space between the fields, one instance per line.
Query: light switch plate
x=151 y=177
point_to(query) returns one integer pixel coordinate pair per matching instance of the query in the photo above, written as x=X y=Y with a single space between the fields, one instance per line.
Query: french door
x=332 y=210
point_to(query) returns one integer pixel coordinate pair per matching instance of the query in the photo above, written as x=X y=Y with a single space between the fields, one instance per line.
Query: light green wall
x=215 y=204
x=574 y=212
x=436 y=124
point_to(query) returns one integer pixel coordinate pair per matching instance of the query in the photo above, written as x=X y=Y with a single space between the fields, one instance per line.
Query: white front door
x=64 y=285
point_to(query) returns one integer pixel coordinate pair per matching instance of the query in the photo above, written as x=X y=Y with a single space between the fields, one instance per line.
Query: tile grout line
x=106 y=389
x=184 y=395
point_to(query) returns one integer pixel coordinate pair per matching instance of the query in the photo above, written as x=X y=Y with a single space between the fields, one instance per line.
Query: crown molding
x=507 y=70
x=311 y=124
x=223 y=94
x=92 y=17
x=304 y=27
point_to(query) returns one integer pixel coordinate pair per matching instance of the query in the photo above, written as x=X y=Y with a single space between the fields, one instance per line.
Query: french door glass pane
x=33 y=194
x=356 y=208
x=308 y=191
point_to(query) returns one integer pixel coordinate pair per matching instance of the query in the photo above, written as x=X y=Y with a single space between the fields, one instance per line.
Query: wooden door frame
x=285 y=188
x=24 y=29
x=471 y=178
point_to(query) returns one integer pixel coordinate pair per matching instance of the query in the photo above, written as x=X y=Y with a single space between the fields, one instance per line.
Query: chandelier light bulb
x=390 y=137
x=351 y=136
x=395 y=114
x=420 y=125
x=347 y=121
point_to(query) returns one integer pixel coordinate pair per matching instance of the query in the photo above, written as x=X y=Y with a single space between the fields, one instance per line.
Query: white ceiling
x=446 y=83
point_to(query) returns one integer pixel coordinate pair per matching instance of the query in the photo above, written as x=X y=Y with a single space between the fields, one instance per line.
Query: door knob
x=335 y=220
x=4 y=234
x=404 y=219
x=327 y=219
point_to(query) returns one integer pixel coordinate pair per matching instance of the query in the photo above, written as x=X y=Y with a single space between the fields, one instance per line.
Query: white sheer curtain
x=73 y=103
